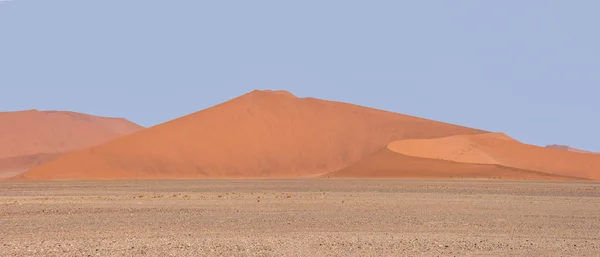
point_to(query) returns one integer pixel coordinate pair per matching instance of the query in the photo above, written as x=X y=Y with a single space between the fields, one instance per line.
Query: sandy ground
x=313 y=217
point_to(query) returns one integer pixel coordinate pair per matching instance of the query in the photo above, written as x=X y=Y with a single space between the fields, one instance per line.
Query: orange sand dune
x=568 y=148
x=259 y=134
x=492 y=150
x=386 y=163
x=30 y=138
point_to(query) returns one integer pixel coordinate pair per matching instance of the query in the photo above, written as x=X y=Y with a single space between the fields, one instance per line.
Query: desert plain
x=299 y=217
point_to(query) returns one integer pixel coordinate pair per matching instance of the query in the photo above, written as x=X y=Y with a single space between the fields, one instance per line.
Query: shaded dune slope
x=259 y=134
x=30 y=138
x=490 y=154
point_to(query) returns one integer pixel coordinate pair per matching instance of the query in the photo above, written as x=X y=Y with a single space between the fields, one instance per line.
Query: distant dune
x=568 y=148
x=31 y=138
x=483 y=155
x=259 y=134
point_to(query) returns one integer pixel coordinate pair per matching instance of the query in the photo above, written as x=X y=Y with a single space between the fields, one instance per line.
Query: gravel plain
x=299 y=217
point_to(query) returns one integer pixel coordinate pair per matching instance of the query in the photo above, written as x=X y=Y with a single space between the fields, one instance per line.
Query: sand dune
x=482 y=155
x=259 y=134
x=386 y=163
x=31 y=138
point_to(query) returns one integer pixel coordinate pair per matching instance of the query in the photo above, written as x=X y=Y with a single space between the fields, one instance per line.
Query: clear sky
x=526 y=68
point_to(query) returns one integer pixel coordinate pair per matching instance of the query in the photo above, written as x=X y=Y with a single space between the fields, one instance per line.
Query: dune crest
x=262 y=133
x=491 y=151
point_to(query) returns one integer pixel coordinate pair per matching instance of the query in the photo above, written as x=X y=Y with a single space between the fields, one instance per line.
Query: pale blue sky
x=527 y=68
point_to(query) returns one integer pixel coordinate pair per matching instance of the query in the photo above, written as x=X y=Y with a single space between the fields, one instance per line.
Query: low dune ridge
x=386 y=163
x=31 y=138
x=490 y=154
x=262 y=133
x=459 y=148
